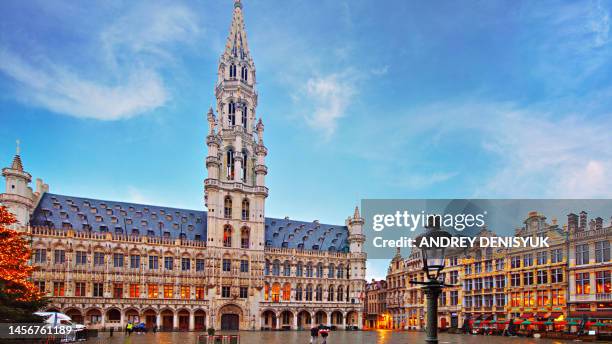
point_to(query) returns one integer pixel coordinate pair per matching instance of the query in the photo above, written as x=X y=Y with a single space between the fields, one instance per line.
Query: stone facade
x=105 y=263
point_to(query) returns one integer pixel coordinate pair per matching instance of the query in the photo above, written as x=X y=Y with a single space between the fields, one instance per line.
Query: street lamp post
x=433 y=263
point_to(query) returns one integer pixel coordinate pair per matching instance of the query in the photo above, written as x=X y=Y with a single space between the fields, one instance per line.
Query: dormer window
x=128 y=221
x=190 y=227
x=94 y=210
x=114 y=219
x=168 y=217
x=135 y=231
x=109 y=212
x=103 y=205
x=98 y=218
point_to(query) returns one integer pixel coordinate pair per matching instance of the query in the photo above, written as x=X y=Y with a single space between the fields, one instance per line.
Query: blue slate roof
x=306 y=235
x=60 y=211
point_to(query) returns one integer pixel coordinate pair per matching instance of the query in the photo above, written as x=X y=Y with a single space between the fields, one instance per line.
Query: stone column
x=312 y=319
x=175 y=321
x=191 y=320
x=158 y=320
x=328 y=318
x=344 y=320
x=295 y=322
x=359 y=320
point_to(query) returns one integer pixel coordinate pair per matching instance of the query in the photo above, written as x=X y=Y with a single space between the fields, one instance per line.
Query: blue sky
x=360 y=99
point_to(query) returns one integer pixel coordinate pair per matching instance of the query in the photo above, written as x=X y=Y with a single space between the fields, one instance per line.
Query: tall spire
x=236 y=44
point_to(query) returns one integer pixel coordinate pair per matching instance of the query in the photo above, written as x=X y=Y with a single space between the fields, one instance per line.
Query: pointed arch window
x=298 y=292
x=266 y=291
x=319 y=293
x=244 y=73
x=309 y=292
x=243 y=173
x=330 y=293
x=227 y=236
x=298 y=269
x=245 y=209
x=286 y=292
x=244 y=117
x=275 y=292
x=232 y=71
x=287 y=268
x=340 y=293
x=227 y=207
x=276 y=268
x=244 y=237
x=331 y=271
x=231 y=113
x=320 y=270
x=230 y=164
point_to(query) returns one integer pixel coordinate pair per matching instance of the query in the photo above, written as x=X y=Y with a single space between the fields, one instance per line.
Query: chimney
x=572 y=222
x=582 y=226
x=598 y=223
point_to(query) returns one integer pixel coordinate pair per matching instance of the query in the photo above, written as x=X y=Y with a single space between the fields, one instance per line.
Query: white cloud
x=127 y=82
x=329 y=97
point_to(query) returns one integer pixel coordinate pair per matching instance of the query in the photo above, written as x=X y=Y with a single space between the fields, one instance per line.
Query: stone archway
x=304 y=320
x=199 y=320
x=167 y=320
x=93 y=317
x=183 y=318
x=230 y=317
x=320 y=318
x=132 y=315
x=352 y=319
x=150 y=318
x=75 y=315
x=268 y=320
x=337 y=319
x=286 y=320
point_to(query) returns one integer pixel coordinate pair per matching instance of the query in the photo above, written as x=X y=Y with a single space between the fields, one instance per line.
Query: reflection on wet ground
x=302 y=337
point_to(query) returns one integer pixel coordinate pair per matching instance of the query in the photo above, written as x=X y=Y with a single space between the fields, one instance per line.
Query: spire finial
x=237 y=3
x=17 y=147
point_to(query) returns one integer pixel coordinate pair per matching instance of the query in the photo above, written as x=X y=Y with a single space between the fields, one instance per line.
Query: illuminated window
x=583 y=283
x=227 y=236
x=134 y=290
x=276 y=292
x=603 y=284
x=199 y=293
x=266 y=291
x=58 y=289
x=185 y=292
x=153 y=291
x=168 y=292
x=286 y=292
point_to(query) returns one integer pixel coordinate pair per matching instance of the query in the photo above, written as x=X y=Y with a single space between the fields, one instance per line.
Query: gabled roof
x=78 y=213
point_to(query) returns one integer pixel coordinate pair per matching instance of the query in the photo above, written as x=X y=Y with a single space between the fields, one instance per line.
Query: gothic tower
x=235 y=190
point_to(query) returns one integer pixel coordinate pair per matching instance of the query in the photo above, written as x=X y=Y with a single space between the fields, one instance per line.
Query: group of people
x=317 y=331
x=138 y=328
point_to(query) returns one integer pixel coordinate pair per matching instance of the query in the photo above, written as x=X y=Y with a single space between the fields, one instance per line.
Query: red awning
x=527 y=315
x=538 y=323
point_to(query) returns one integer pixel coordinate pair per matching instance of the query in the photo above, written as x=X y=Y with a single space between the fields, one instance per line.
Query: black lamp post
x=433 y=263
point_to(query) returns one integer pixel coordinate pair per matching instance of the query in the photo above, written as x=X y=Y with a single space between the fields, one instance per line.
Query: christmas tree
x=19 y=298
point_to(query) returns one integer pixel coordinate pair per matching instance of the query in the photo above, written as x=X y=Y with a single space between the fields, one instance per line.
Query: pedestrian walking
x=314 y=333
x=324 y=332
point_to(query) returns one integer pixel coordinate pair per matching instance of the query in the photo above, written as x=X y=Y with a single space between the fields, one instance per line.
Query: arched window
x=340 y=273
x=330 y=293
x=267 y=267
x=298 y=292
x=231 y=113
x=331 y=273
x=309 y=270
x=244 y=117
x=244 y=73
x=232 y=71
x=340 y=293
x=286 y=268
x=286 y=292
x=319 y=293
x=244 y=166
x=298 y=269
x=275 y=292
x=245 y=209
x=276 y=268
x=230 y=164
x=227 y=236
x=266 y=291
x=244 y=237
x=309 y=292
x=227 y=207
x=320 y=270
